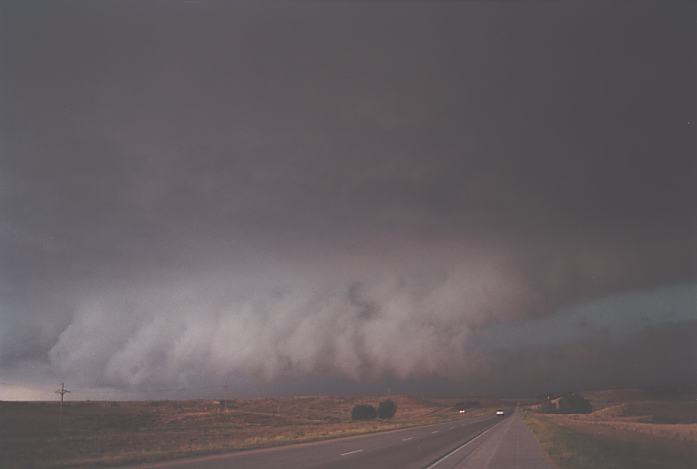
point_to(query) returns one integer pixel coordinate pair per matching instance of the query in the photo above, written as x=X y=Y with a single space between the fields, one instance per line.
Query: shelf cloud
x=262 y=196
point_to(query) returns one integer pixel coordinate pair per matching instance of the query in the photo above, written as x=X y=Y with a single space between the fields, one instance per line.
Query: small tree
x=574 y=403
x=363 y=412
x=387 y=409
x=548 y=407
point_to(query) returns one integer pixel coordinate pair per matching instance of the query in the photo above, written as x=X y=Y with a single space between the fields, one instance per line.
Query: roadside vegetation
x=385 y=410
x=113 y=433
x=363 y=412
x=629 y=429
x=569 y=403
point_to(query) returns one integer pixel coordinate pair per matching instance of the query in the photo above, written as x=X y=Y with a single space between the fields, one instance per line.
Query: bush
x=387 y=409
x=574 y=403
x=363 y=412
x=548 y=407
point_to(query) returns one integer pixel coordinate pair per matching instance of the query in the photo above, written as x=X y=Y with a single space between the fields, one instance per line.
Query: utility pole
x=62 y=391
x=226 y=391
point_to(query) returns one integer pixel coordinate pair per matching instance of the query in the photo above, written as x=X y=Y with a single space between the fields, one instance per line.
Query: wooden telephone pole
x=62 y=391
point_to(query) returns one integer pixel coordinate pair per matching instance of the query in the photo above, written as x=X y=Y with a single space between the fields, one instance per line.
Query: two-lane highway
x=466 y=443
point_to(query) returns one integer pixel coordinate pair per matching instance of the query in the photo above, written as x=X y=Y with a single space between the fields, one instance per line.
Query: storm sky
x=333 y=197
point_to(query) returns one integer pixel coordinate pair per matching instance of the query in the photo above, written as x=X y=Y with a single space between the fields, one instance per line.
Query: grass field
x=628 y=429
x=110 y=433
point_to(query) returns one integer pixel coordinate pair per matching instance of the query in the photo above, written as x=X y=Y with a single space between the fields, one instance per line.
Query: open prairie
x=118 y=432
x=627 y=429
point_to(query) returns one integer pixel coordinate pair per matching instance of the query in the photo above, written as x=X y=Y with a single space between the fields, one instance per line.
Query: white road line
x=434 y=431
x=351 y=452
x=438 y=461
x=407 y=439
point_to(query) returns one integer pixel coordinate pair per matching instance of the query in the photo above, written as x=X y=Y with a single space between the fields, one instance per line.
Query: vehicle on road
x=499 y=412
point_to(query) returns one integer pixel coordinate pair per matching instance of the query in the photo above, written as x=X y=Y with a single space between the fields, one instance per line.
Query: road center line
x=351 y=452
x=434 y=431
x=407 y=439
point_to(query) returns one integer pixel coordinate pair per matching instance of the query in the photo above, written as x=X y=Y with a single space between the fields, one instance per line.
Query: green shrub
x=363 y=412
x=574 y=403
x=387 y=409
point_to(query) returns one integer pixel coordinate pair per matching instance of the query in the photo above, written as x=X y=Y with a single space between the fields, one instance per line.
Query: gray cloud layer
x=199 y=191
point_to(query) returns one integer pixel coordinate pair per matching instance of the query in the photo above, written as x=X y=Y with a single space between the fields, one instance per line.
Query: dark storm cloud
x=658 y=357
x=356 y=189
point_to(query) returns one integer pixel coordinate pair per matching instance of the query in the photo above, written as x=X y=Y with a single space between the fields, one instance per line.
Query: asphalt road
x=509 y=445
x=488 y=442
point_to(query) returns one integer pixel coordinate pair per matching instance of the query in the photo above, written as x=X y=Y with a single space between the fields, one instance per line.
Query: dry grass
x=572 y=444
x=677 y=432
x=667 y=419
x=110 y=433
x=628 y=429
x=610 y=397
x=663 y=411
